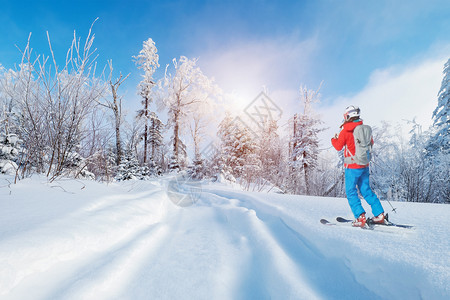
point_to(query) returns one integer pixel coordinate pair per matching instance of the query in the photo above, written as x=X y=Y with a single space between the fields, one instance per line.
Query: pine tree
x=226 y=158
x=9 y=152
x=438 y=148
x=129 y=168
x=238 y=150
x=270 y=152
x=197 y=170
x=155 y=136
x=440 y=142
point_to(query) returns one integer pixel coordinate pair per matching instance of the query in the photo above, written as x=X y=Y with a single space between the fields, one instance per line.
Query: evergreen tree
x=177 y=163
x=9 y=152
x=129 y=168
x=440 y=142
x=226 y=156
x=155 y=136
x=271 y=153
x=197 y=170
x=238 y=150
x=438 y=147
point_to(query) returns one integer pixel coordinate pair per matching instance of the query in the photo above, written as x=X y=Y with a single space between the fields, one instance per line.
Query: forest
x=67 y=120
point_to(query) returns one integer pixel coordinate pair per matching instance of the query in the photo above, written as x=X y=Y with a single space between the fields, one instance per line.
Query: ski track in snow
x=129 y=241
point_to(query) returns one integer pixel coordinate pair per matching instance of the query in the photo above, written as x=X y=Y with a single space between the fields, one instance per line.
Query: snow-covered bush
x=9 y=151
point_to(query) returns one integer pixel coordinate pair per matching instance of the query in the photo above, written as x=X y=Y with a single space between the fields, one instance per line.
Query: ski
x=328 y=223
x=371 y=223
x=343 y=220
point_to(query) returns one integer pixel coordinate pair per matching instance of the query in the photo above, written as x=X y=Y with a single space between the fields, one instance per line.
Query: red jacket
x=345 y=139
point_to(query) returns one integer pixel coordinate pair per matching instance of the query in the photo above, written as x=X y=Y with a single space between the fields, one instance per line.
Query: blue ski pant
x=359 y=178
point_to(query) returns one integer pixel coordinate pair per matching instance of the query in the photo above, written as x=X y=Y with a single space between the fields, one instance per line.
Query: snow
x=73 y=239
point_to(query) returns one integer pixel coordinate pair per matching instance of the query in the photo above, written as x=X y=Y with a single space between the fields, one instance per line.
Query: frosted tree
x=246 y=150
x=156 y=142
x=386 y=168
x=53 y=103
x=414 y=169
x=147 y=60
x=403 y=172
x=226 y=157
x=9 y=152
x=200 y=120
x=270 y=152
x=9 y=119
x=304 y=141
x=129 y=168
x=9 y=141
x=438 y=148
x=185 y=93
x=440 y=142
x=114 y=103
x=238 y=151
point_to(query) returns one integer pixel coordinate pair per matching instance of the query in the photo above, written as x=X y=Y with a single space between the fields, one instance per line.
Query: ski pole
x=393 y=209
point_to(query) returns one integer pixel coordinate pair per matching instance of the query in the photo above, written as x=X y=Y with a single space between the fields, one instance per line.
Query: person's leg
x=351 y=180
x=368 y=194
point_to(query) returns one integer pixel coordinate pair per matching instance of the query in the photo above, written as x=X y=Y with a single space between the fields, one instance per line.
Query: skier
x=356 y=175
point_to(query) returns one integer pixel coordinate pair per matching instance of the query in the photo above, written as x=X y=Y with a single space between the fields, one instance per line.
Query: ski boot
x=380 y=219
x=360 y=221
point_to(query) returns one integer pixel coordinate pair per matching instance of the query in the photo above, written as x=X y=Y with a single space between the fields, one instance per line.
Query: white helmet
x=350 y=112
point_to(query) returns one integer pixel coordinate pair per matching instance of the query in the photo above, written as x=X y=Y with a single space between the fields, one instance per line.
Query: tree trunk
x=117 y=123
x=175 y=138
x=176 y=129
x=145 y=129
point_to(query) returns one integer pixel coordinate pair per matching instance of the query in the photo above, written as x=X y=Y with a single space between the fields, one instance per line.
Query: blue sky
x=352 y=46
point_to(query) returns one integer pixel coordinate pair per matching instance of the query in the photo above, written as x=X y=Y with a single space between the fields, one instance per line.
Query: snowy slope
x=85 y=240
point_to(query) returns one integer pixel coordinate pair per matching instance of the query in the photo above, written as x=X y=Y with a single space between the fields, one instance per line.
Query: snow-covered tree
x=115 y=105
x=440 y=142
x=155 y=134
x=438 y=147
x=415 y=171
x=103 y=164
x=156 y=143
x=401 y=170
x=185 y=92
x=9 y=152
x=385 y=167
x=270 y=152
x=304 y=140
x=197 y=170
x=238 y=151
x=201 y=119
x=53 y=104
x=9 y=120
x=225 y=158
x=129 y=168
x=147 y=60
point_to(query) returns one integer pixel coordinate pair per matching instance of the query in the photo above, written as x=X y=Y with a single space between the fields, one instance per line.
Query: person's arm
x=338 y=142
